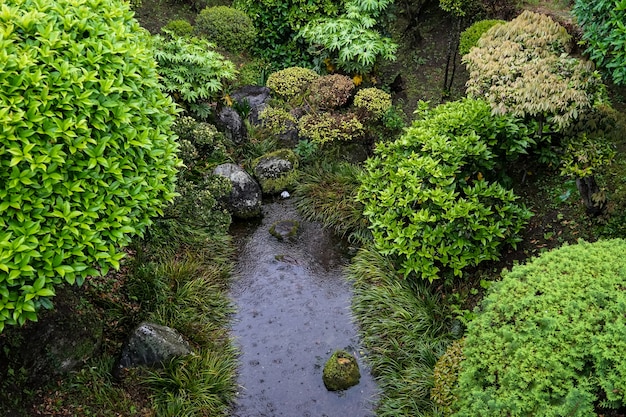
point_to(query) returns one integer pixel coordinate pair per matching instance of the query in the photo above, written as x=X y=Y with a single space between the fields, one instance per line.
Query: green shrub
x=290 y=82
x=179 y=27
x=549 y=338
x=209 y=145
x=373 y=100
x=331 y=91
x=446 y=378
x=604 y=33
x=87 y=152
x=277 y=120
x=328 y=127
x=192 y=72
x=226 y=27
x=470 y=36
x=426 y=197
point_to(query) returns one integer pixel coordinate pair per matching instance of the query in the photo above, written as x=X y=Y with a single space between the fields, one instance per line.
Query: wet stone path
x=293 y=307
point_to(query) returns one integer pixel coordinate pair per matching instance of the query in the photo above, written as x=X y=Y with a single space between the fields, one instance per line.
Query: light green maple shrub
x=548 y=339
x=427 y=195
x=87 y=155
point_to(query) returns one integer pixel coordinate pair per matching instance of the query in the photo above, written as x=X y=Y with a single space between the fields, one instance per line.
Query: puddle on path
x=293 y=311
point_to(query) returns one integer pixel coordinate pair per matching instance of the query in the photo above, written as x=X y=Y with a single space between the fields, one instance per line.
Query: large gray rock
x=151 y=344
x=257 y=98
x=231 y=124
x=244 y=201
x=276 y=171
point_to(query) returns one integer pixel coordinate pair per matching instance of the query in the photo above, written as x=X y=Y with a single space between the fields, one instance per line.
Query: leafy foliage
x=521 y=68
x=328 y=127
x=374 y=101
x=446 y=376
x=290 y=82
x=191 y=71
x=277 y=120
x=605 y=34
x=471 y=35
x=548 y=339
x=351 y=41
x=226 y=27
x=178 y=27
x=331 y=91
x=427 y=198
x=87 y=154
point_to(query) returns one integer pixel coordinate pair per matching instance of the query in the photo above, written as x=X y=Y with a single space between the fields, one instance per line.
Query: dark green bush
x=469 y=37
x=228 y=28
x=427 y=198
x=87 y=155
x=549 y=338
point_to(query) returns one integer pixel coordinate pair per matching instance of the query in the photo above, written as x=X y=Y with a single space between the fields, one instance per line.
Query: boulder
x=276 y=171
x=231 y=124
x=341 y=371
x=244 y=201
x=256 y=97
x=151 y=344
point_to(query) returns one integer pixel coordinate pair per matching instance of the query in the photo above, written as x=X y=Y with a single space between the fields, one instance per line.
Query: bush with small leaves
x=226 y=27
x=203 y=142
x=87 y=154
x=548 y=340
x=328 y=127
x=179 y=27
x=373 y=100
x=290 y=82
x=446 y=378
x=470 y=36
x=331 y=91
x=277 y=120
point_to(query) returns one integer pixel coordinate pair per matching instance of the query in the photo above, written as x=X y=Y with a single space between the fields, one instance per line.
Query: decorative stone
x=285 y=229
x=151 y=344
x=231 y=123
x=341 y=371
x=276 y=171
x=257 y=98
x=244 y=200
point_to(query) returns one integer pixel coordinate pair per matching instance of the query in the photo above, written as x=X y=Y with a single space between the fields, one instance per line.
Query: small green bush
x=548 y=339
x=331 y=91
x=179 y=27
x=470 y=36
x=277 y=120
x=446 y=377
x=328 y=127
x=373 y=100
x=290 y=82
x=87 y=154
x=226 y=27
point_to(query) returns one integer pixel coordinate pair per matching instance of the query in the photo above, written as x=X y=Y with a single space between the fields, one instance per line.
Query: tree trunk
x=593 y=197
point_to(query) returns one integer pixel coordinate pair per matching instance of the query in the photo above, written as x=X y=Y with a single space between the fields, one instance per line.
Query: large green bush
x=549 y=338
x=87 y=155
x=605 y=34
x=228 y=28
x=427 y=195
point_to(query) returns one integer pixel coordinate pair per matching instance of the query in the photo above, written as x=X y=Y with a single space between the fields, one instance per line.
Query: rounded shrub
x=331 y=91
x=373 y=100
x=470 y=36
x=179 y=27
x=328 y=127
x=87 y=155
x=290 y=82
x=228 y=28
x=277 y=120
x=549 y=338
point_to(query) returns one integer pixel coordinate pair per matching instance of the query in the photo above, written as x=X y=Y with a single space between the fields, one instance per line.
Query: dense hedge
x=87 y=155
x=549 y=339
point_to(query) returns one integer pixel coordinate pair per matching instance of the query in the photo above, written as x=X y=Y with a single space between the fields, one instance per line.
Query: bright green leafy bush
x=87 y=155
x=328 y=127
x=191 y=71
x=373 y=100
x=470 y=36
x=178 y=27
x=427 y=198
x=549 y=338
x=605 y=34
x=290 y=82
x=226 y=27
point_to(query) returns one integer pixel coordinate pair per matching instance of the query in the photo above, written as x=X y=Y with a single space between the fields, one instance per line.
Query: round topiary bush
x=331 y=91
x=178 y=27
x=87 y=155
x=373 y=100
x=549 y=338
x=228 y=28
x=290 y=82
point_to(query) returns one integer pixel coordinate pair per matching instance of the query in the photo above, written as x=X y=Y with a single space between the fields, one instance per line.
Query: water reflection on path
x=293 y=311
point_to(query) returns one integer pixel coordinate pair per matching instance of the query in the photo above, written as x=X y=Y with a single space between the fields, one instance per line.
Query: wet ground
x=293 y=311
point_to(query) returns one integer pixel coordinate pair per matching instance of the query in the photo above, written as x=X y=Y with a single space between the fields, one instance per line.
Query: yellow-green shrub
x=327 y=127
x=446 y=377
x=373 y=100
x=290 y=82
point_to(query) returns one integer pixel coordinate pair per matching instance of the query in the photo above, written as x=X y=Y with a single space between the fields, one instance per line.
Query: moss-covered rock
x=341 y=371
x=276 y=171
x=285 y=229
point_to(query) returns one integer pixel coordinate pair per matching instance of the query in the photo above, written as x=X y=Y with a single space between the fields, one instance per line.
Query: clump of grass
x=326 y=194
x=404 y=329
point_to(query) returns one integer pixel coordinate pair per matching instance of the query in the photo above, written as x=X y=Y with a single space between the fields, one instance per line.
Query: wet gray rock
x=285 y=229
x=231 y=124
x=276 y=171
x=151 y=344
x=257 y=98
x=341 y=371
x=244 y=201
